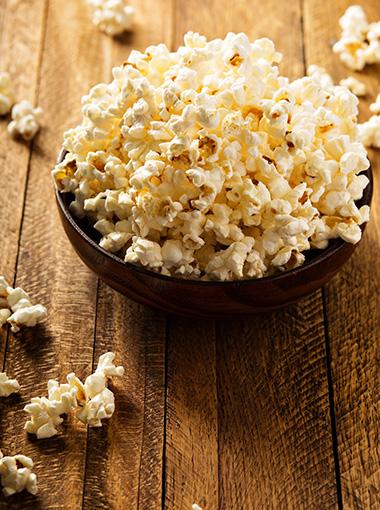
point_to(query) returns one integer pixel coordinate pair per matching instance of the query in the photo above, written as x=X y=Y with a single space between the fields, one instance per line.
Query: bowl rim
x=326 y=253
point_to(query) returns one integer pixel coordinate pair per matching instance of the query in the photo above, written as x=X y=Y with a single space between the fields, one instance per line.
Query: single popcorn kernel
x=8 y=386
x=16 y=475
x=206 y=163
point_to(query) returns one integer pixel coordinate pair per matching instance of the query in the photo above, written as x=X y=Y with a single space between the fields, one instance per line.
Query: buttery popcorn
x=16 y=475
x=8 y=386
x=356 y=86
x=7 y=97
x=92 y=401
x=206 y=163
x=25 y=121
x=17 y=309
x=360 y=40
x=111 y=16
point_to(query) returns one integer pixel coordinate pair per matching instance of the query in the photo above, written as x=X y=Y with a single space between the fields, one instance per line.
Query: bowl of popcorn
x=203 y=182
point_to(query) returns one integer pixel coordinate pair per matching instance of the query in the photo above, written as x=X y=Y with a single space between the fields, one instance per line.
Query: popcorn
x=206 y=163
x=46 y=412
x=369 y=132
x=16 y=475
x=356 y=86
x=375 y=107
x=7 y=97
x=97 y=402
x=359 y=43
x=18 y=301
x=8 y=386
x=25 y=121
x=196 y=507
x=111 y=16
x=93 y=401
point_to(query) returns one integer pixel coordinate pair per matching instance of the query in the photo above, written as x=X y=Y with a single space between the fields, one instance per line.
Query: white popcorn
x=46 y=412
x=207 y=163
x=196 y=507
x=369 y=132
x=111 y=16
x=359 y=43
x=356 y=86
x=8 y=386
x=16 y=475
x=375 y=107
x=17 y=301
x=7 y=97
x=96 y=401
x=25 y=121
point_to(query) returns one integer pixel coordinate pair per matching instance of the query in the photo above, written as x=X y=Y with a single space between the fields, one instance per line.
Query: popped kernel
x=8 y=386
x=111 y=16
x=7 y=97
x=206 y=163
x=16 y=475
x=25 y=121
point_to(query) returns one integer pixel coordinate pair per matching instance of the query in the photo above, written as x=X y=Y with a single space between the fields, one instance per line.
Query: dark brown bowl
x=206 y=298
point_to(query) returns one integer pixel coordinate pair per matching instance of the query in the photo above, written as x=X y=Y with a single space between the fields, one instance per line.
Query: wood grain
x=125 y=459
x=20 y=51
x=49 y=270
x=352 y=302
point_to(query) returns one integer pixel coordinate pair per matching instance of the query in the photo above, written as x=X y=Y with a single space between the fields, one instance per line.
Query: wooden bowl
x=210 y=299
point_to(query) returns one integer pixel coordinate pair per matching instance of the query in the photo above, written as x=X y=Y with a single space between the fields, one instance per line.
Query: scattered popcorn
x=360 y=42
x=97 y=402
x=369 y=132
x=7 y=97
x=46 y=413
x=18 y=301
x=375 y=107
x=16 y=475
x=25 y=121
x=92 y=400
x=206 y=163
x=356 y=86
x=111 y=16
x=8 y=386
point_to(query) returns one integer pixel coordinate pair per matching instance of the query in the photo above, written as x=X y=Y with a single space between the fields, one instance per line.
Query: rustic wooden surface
x=277 y=412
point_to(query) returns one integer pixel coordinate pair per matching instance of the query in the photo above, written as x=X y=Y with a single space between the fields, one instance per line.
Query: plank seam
x=31 y=147
x=92 y=370
x=302 y=27
x=163 y=494
x=330 y=383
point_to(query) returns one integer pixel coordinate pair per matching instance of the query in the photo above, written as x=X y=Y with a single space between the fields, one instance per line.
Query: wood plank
x=20 y=50
x=135 y=435
x=352 y=303
x=266 y=387
x=48 y=268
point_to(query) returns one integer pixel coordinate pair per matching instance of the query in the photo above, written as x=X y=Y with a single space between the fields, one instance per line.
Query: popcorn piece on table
x=25 y=121
x=356 y=86
x=7 y=97
x=97 y=402
x=206 y=163
x=46 y=412
x=112 y=16
x=196 y=507
x=375 y=107
x=369 y=132
x=8 y=386
x=16 y=475
x=18 y=301
x=359 y=43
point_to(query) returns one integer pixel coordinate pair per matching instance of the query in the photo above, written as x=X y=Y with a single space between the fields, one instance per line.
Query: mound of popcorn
x=16 y=475
x=17 y=309
x=25 y=121
x=7 y=97
x=93 y=401
x=8 y=386
x=359 y=43
x=207 y=163
x=111 y=16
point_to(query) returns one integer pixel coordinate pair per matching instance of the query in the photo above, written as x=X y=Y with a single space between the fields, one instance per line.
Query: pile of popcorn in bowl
x=206 y=163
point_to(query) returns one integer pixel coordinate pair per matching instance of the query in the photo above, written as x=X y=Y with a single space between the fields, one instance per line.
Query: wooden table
x=277 y=412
